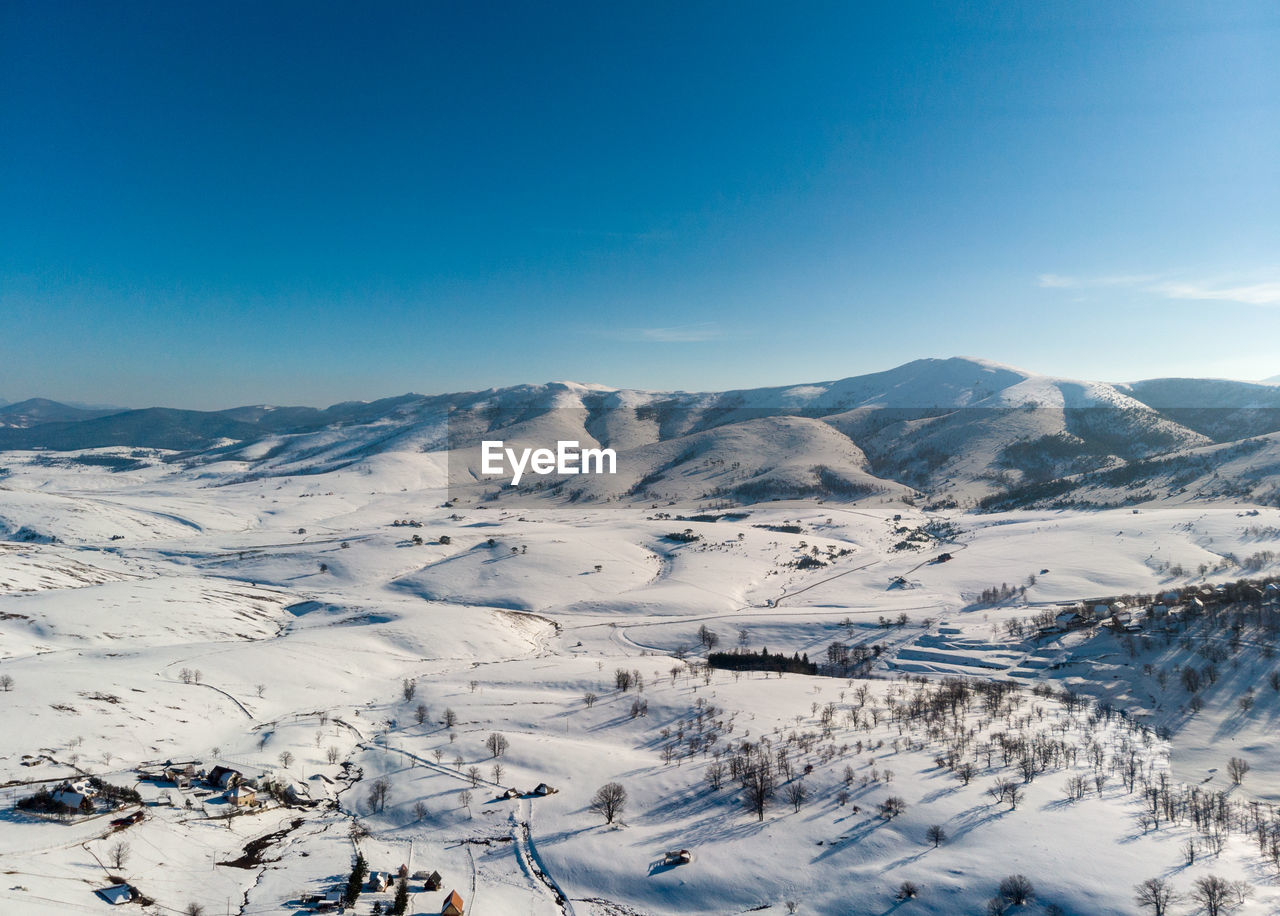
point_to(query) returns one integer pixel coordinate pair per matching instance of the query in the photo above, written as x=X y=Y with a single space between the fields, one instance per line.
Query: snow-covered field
x=284 y=627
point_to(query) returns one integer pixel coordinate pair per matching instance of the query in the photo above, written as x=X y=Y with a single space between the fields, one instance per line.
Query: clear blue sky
x=220 y=203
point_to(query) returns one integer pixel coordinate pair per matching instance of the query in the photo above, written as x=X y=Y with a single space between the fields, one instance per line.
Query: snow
x=212 y=576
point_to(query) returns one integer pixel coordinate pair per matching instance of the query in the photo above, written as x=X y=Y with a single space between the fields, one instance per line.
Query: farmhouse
x=452 y=905
x=223 y=777
x=241 y=796
x=72 y=800
x=544 y=789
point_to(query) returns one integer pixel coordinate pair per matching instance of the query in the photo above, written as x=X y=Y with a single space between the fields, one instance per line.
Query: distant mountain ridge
x=35 y=411
x=958 y=429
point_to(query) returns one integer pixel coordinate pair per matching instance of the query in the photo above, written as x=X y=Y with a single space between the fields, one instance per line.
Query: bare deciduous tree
x=1155 y=894
x=796 y=794
x=1216 y=895
x=609 y=801
x=118 y=854
x=497 y=744
x=378 y=793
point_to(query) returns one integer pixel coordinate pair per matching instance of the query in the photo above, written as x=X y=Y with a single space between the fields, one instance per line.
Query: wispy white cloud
x=678 y=333
x=1265 y=292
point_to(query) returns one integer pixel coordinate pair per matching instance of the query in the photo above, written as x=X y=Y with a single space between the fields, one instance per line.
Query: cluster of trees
x=844 y=660
x=762 y=661
x=1002 y=592
x=1214 y=895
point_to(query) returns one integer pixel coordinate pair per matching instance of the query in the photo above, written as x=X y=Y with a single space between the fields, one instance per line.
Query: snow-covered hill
x=333 y=612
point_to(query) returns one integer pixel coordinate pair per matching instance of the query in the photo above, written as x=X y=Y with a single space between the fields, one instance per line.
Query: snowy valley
x=951 y=639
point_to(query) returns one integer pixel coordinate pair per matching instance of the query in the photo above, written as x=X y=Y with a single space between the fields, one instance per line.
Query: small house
x=223 y=777
x=544 y=789
x=72 y=800
x=433 y=881
x=452 y=905
x=510 y=793
x=678 y=857
x=241 y=796
x=379 y=881
x=116 y=894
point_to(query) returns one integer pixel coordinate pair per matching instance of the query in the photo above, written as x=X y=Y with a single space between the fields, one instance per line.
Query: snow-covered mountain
x=955 y=429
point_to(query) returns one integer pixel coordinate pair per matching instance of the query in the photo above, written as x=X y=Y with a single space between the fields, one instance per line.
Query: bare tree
x=420 y=810
x=796 y=794
x=708 y=637
x=193 y=909
x=420 y=714
x=1155 y=894
x=589 y=698
x=464 y=800
x=891 y=807
x=497 y=744
x=1237 y=767
x=609 y=801
x=936 y=835
x=286 y=759
x=757 y=784
x=715 y=775
x=473 y=774
x=1017 y=890
x=908 y=890
x=450 y=718
x=497 y=773
x=378 y=793
x=332 y=754
x=1216 y=895
x=118 y=854
x=408 y=689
